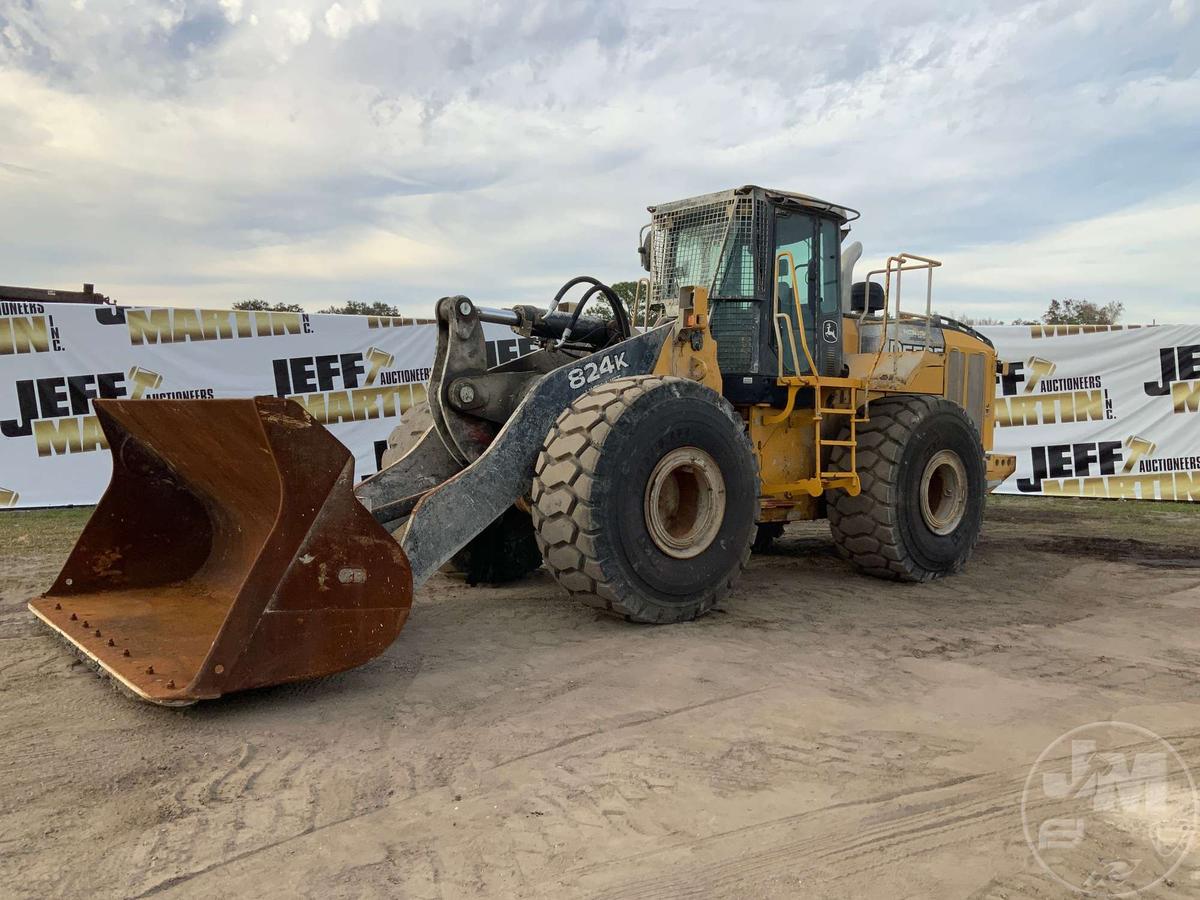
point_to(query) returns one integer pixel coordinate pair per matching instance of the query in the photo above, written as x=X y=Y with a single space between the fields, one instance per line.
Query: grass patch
x=51 y=533
x=1144 y=520
x=40 y=533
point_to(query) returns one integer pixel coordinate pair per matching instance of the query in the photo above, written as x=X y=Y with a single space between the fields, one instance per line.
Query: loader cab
x=771 y=262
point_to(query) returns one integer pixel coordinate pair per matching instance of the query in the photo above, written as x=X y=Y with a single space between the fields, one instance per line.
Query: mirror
x=646 y=246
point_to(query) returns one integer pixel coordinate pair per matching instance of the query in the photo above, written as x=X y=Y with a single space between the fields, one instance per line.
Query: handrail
x=791 y=342
x=898 y=264
x=812 y=366
x=887 y=302
x=637 y=293
x=930 y=265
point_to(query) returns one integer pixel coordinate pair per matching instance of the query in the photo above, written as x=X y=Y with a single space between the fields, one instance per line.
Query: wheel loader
x=639 y=455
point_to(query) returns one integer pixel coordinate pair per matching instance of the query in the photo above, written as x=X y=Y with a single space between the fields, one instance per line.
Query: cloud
x=232 y=10
x=320 y=151
x=360 y=253
x=1141 y=256
x=341 y=20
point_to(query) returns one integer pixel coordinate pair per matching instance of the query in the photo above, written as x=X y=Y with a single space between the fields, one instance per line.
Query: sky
x=200 y=153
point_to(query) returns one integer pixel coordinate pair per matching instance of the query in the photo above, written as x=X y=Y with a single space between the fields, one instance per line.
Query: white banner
x=1094 y=414
x=1100 y=413
x=355 y=374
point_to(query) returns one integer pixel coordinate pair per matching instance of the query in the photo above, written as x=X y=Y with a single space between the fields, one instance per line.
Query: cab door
x=810 y=297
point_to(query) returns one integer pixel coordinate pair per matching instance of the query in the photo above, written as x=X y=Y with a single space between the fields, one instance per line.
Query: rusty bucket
x=227 y=553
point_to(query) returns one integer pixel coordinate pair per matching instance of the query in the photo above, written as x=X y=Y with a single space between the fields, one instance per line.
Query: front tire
x=920 y=511
x=644 y=498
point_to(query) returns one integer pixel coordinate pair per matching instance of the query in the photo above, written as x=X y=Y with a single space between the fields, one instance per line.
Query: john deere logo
x=176 y=326
x=1031 y=395
x=348 y=387
x=830 y=332
x=1126 y=470
x=26 y=328
x=1180 y=377
x=8 y=498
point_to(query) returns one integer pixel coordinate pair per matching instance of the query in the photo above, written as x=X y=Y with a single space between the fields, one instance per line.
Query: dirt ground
x=823 y=735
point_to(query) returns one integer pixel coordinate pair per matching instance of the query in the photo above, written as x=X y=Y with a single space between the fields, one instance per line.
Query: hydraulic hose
x=619 y=311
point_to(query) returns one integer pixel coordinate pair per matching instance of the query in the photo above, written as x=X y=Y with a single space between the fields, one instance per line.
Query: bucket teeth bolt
x=74 y=617
x=85 y=624
x=171 y=683
x=125 y=652
x=149 y=670
x=111 y=642
x=98 y=634
x=58 y=606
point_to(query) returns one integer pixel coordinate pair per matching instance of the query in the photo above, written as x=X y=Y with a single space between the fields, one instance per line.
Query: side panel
x=692 y=351
x=957 y=366
x=785 y=455
x=978 y=381
x=970 y=380
x=956 y=375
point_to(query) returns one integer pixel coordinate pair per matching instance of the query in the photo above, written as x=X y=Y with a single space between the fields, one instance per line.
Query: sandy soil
x=824 y=735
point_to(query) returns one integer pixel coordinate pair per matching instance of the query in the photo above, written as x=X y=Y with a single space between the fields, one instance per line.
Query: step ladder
x=847 y=480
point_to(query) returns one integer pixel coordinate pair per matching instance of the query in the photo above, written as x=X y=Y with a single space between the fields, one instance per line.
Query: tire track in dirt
x=823 y=735
x=841 y=848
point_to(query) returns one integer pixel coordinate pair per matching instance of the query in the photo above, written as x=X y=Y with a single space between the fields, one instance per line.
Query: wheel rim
x=944 y=492
x=685 y=502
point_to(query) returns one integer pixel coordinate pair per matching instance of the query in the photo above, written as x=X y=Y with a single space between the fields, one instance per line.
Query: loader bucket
x=228 y=553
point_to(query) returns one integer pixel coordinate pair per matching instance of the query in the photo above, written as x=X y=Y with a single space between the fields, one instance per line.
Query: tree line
x=597 y=306
x=351 y=308
x=1060 y=312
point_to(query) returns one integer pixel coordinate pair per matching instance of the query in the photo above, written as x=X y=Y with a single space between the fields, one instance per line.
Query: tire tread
x=866 y=529
x=563 y=512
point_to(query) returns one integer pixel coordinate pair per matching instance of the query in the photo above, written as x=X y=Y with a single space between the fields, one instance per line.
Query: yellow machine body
x=791 y=445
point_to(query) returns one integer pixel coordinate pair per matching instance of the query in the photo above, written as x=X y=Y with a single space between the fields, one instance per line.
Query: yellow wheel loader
x=640 y=456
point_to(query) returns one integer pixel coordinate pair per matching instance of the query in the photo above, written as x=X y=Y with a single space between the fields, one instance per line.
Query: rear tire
x=644 y=498
x=504 y=551
x=919 y=515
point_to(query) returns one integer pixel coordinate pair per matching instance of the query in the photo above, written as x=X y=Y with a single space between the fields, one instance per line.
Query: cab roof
x=782 y=198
